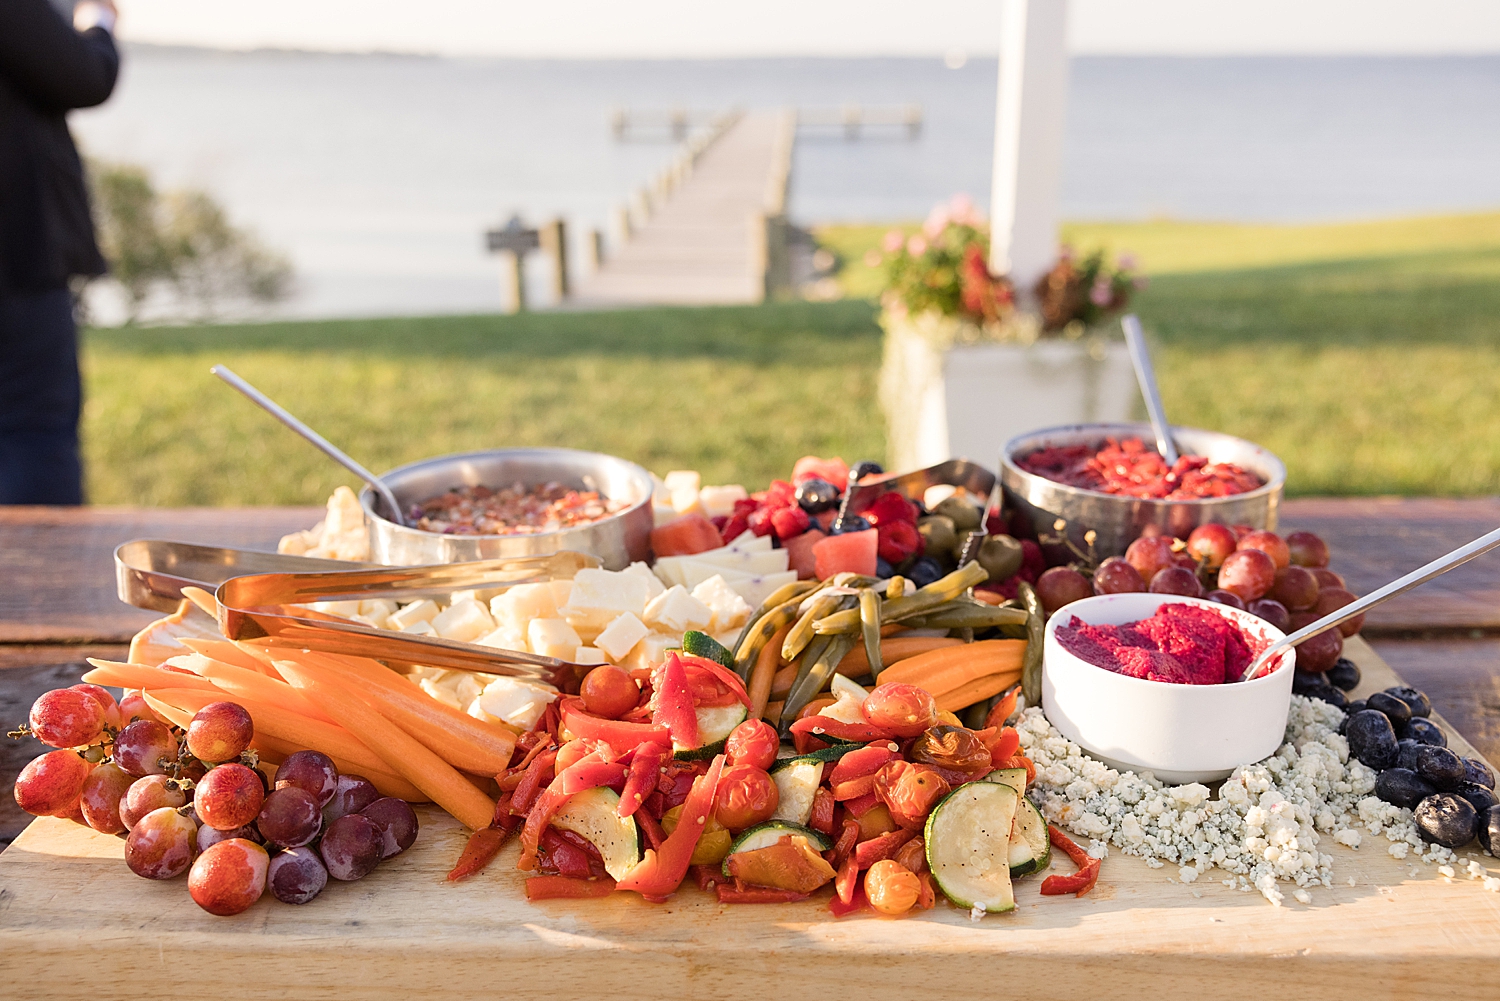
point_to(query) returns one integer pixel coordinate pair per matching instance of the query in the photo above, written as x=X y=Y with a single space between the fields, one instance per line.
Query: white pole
x=1029 y=122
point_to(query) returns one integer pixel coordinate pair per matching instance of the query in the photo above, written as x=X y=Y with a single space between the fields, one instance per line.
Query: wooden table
x=69 y=907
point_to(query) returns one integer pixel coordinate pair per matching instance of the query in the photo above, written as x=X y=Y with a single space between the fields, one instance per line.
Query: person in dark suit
x=47 y=68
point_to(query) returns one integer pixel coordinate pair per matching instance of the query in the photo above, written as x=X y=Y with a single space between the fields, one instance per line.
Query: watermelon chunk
x=852 y=552
x=835 y=470
x=692 y=533
x=799 y=550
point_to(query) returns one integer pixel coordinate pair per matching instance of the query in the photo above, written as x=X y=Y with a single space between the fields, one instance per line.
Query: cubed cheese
x=443 y=693
x=562 y=590
x=465 y=621
x=729 y=609
x=600 y=595
x=377 y=608
x=749 y=542
x=505 y=638
x=654 y=586
x=651 y=651
x=682 y=485
x=522 y=603
x=467 y=688
x=347 y=609
x=418 y=611
x=590 y=655
x=620 y=635
x=420 y=629
x=719 y=501
x=676 y=611
x=552 y=638
x=366 y=620
x=515 y=702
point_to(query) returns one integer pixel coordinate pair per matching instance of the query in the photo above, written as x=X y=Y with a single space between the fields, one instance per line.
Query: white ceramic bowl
x=1181 y=733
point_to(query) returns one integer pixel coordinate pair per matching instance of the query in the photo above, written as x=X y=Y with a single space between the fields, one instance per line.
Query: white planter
x=968 y=399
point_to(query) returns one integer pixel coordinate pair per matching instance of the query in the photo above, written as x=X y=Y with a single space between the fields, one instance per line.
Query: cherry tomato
x=609 y=691
x=952 y=747
x=755 y=743
x=909 y=791
x=891 y=887
x=746 y=796
x=904 y=710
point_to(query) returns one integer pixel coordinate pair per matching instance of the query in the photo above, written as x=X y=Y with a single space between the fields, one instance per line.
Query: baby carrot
x=764 y=672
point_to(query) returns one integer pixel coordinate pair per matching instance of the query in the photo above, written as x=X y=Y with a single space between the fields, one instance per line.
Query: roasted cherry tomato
x=754 y=742
x=904 y=710
x=891 y=887
x=608 y=691
x=746 y=796
x=952 y=747
x=909 y=791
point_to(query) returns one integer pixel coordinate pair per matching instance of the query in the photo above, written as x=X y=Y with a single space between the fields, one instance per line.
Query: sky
x=718 y=29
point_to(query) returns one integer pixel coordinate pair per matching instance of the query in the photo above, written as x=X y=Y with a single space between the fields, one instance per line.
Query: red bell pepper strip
x=538 y=774
x=1004 y=745
x=757 y=895
x=645 y=771
x=853 y=788
x=707 y=876
x=859 y=733
x=865 y=761
x=674 y=704
x=822 y=811
x=867 y=853
x=1002 y=710
x=588 y=772
x=857 y=901
x=844 y=847
x=616 y=733
x=861 y=806
x=727 y=677
x=567 y=888
x=484 y=844
x=847 y=883
x=913 y=855
x=651 y=827
x=662 y=870
x=1080 y=882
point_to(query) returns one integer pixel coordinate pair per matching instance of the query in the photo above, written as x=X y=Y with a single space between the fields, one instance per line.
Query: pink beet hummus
x=1180 y=644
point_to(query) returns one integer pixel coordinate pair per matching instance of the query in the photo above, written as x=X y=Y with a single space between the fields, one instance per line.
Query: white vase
x=945 y=398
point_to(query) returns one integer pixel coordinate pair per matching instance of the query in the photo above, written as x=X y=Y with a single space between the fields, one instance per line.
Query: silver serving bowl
x=617 y=540
x=1117 y=521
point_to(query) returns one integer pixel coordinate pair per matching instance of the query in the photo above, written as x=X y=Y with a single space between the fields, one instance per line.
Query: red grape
x=1269 y=543
x=160 y=845
x=1224 y=597
x=148 y=793
x=296 y=876
x=1177 y=580
x=106 y=701
x=1304 y=618
x=1060 y=586
x=311 y=771
x=64 y=717
x=145 y=747
x=1149 y=555
x=609 y=691
x=1212 y=544
x=1249 y=573
x=1318 y=653
x=1307 y=550
x=100 y=797
x=1295 y=587
x=353 y=794
x=397 y=822
x=51 y=783
x=134 y=706
x=229 y=796
x=229 y=876
x=290 y=817
x=1331 y=600
x=220 y=731
x=351 y=847
x=1116 y=576
x=1327 y=578
x=1272 y=611
x=904 y=710
x=209 y=836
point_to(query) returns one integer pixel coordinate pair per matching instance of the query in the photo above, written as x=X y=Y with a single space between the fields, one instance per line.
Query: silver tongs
x=151 y=573
x=965 y=473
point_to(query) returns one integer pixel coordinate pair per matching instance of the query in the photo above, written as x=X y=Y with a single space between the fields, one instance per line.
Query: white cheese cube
x=464 y=621
x=366 y=620
x=347 y=609
x=729 y=610
x=420 y=629
x=562 y=591
x=466 y=689
x=522 y=603
x=719 y=501
x=682 y=479
x=727 y=638
x=443 y=693
x=418 y=611
x=505 y=638
x=651 y=651
x=620 y=635
x=377 y=608
x=590 y=655
x=599 y=596
x=749 y=542
x=552 y=638
x=514 y=701
x=676 y=611
x=654 y=586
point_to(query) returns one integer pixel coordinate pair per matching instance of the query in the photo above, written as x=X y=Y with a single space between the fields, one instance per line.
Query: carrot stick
x=773 y=711
x=781 y=682
x=167 y=711
x=976 y=691
x=856 y=662
x=225 y=652
x=404 y=753
x=113 y=672
x=389 y=783
x=254 y=685
x=466 y=743
x=947 y=668
x=764 y=671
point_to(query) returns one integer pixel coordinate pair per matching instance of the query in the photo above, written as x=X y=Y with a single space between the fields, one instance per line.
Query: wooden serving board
x=74 y=922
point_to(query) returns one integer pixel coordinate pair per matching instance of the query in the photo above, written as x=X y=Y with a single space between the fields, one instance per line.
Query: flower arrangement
x=1087 y=292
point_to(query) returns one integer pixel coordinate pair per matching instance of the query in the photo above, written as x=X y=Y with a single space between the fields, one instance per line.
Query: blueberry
x=1425 y=731
x=1489 y=829
x=883 y=568
x=853 y=523
x=1344 y=674
x=1406 y=753
x=1349 y=710
x=1420 y=706
x=1448 y=819
x=867 y=468
x=1326 y=693
x=816 y=496
x=1440 y=766
x=1372 y=739
x=1398 y=711
x=1480 y=798
x=1402 y=787
x=924 y=571
x=1302 y=681
x=1478 y=772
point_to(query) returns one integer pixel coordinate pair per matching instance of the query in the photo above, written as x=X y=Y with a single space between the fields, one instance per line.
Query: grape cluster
x=199 y=801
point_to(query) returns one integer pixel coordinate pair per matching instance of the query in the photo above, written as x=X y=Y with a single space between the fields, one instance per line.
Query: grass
x=1366 y=355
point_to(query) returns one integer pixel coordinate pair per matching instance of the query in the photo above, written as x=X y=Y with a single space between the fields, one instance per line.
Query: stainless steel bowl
x=1117 y=521
x=617 y=540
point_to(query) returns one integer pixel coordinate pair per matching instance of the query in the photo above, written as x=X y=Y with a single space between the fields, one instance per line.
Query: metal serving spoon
x=322 y=444
x=1421 y=575
x=1140 y=357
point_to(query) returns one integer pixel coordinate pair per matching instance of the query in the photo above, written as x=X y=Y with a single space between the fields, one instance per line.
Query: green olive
x=939 y=532
x=965 y=516
x=1001 y=556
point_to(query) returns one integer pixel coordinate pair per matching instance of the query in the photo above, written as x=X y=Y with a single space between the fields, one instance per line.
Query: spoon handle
x=1140 y=357
x=1421 y=575
x=322 y=444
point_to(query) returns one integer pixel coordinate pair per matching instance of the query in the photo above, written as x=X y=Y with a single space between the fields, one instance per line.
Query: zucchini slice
x=1030 y=848
x=968 y=845
x=703 y=645
x=593 y=814
x=715 y=724
x=1013 y=777
x=767 y=834
x=797 y=783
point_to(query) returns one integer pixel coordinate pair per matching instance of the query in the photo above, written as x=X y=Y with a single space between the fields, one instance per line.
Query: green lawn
x=1366 y=355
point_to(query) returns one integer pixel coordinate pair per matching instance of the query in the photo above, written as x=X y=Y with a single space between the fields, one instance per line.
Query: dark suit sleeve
x=53 y=66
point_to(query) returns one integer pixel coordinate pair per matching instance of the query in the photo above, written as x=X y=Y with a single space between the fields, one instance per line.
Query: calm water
x=378 y=174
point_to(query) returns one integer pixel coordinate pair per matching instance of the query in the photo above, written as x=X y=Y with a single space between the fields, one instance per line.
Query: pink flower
x=892 y=241
x=961 y=210
x=1100 y=295
x=937 y=221
x=1127 y=262
x=916 y=246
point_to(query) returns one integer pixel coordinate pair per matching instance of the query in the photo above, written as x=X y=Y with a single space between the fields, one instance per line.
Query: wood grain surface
x=70 y=910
